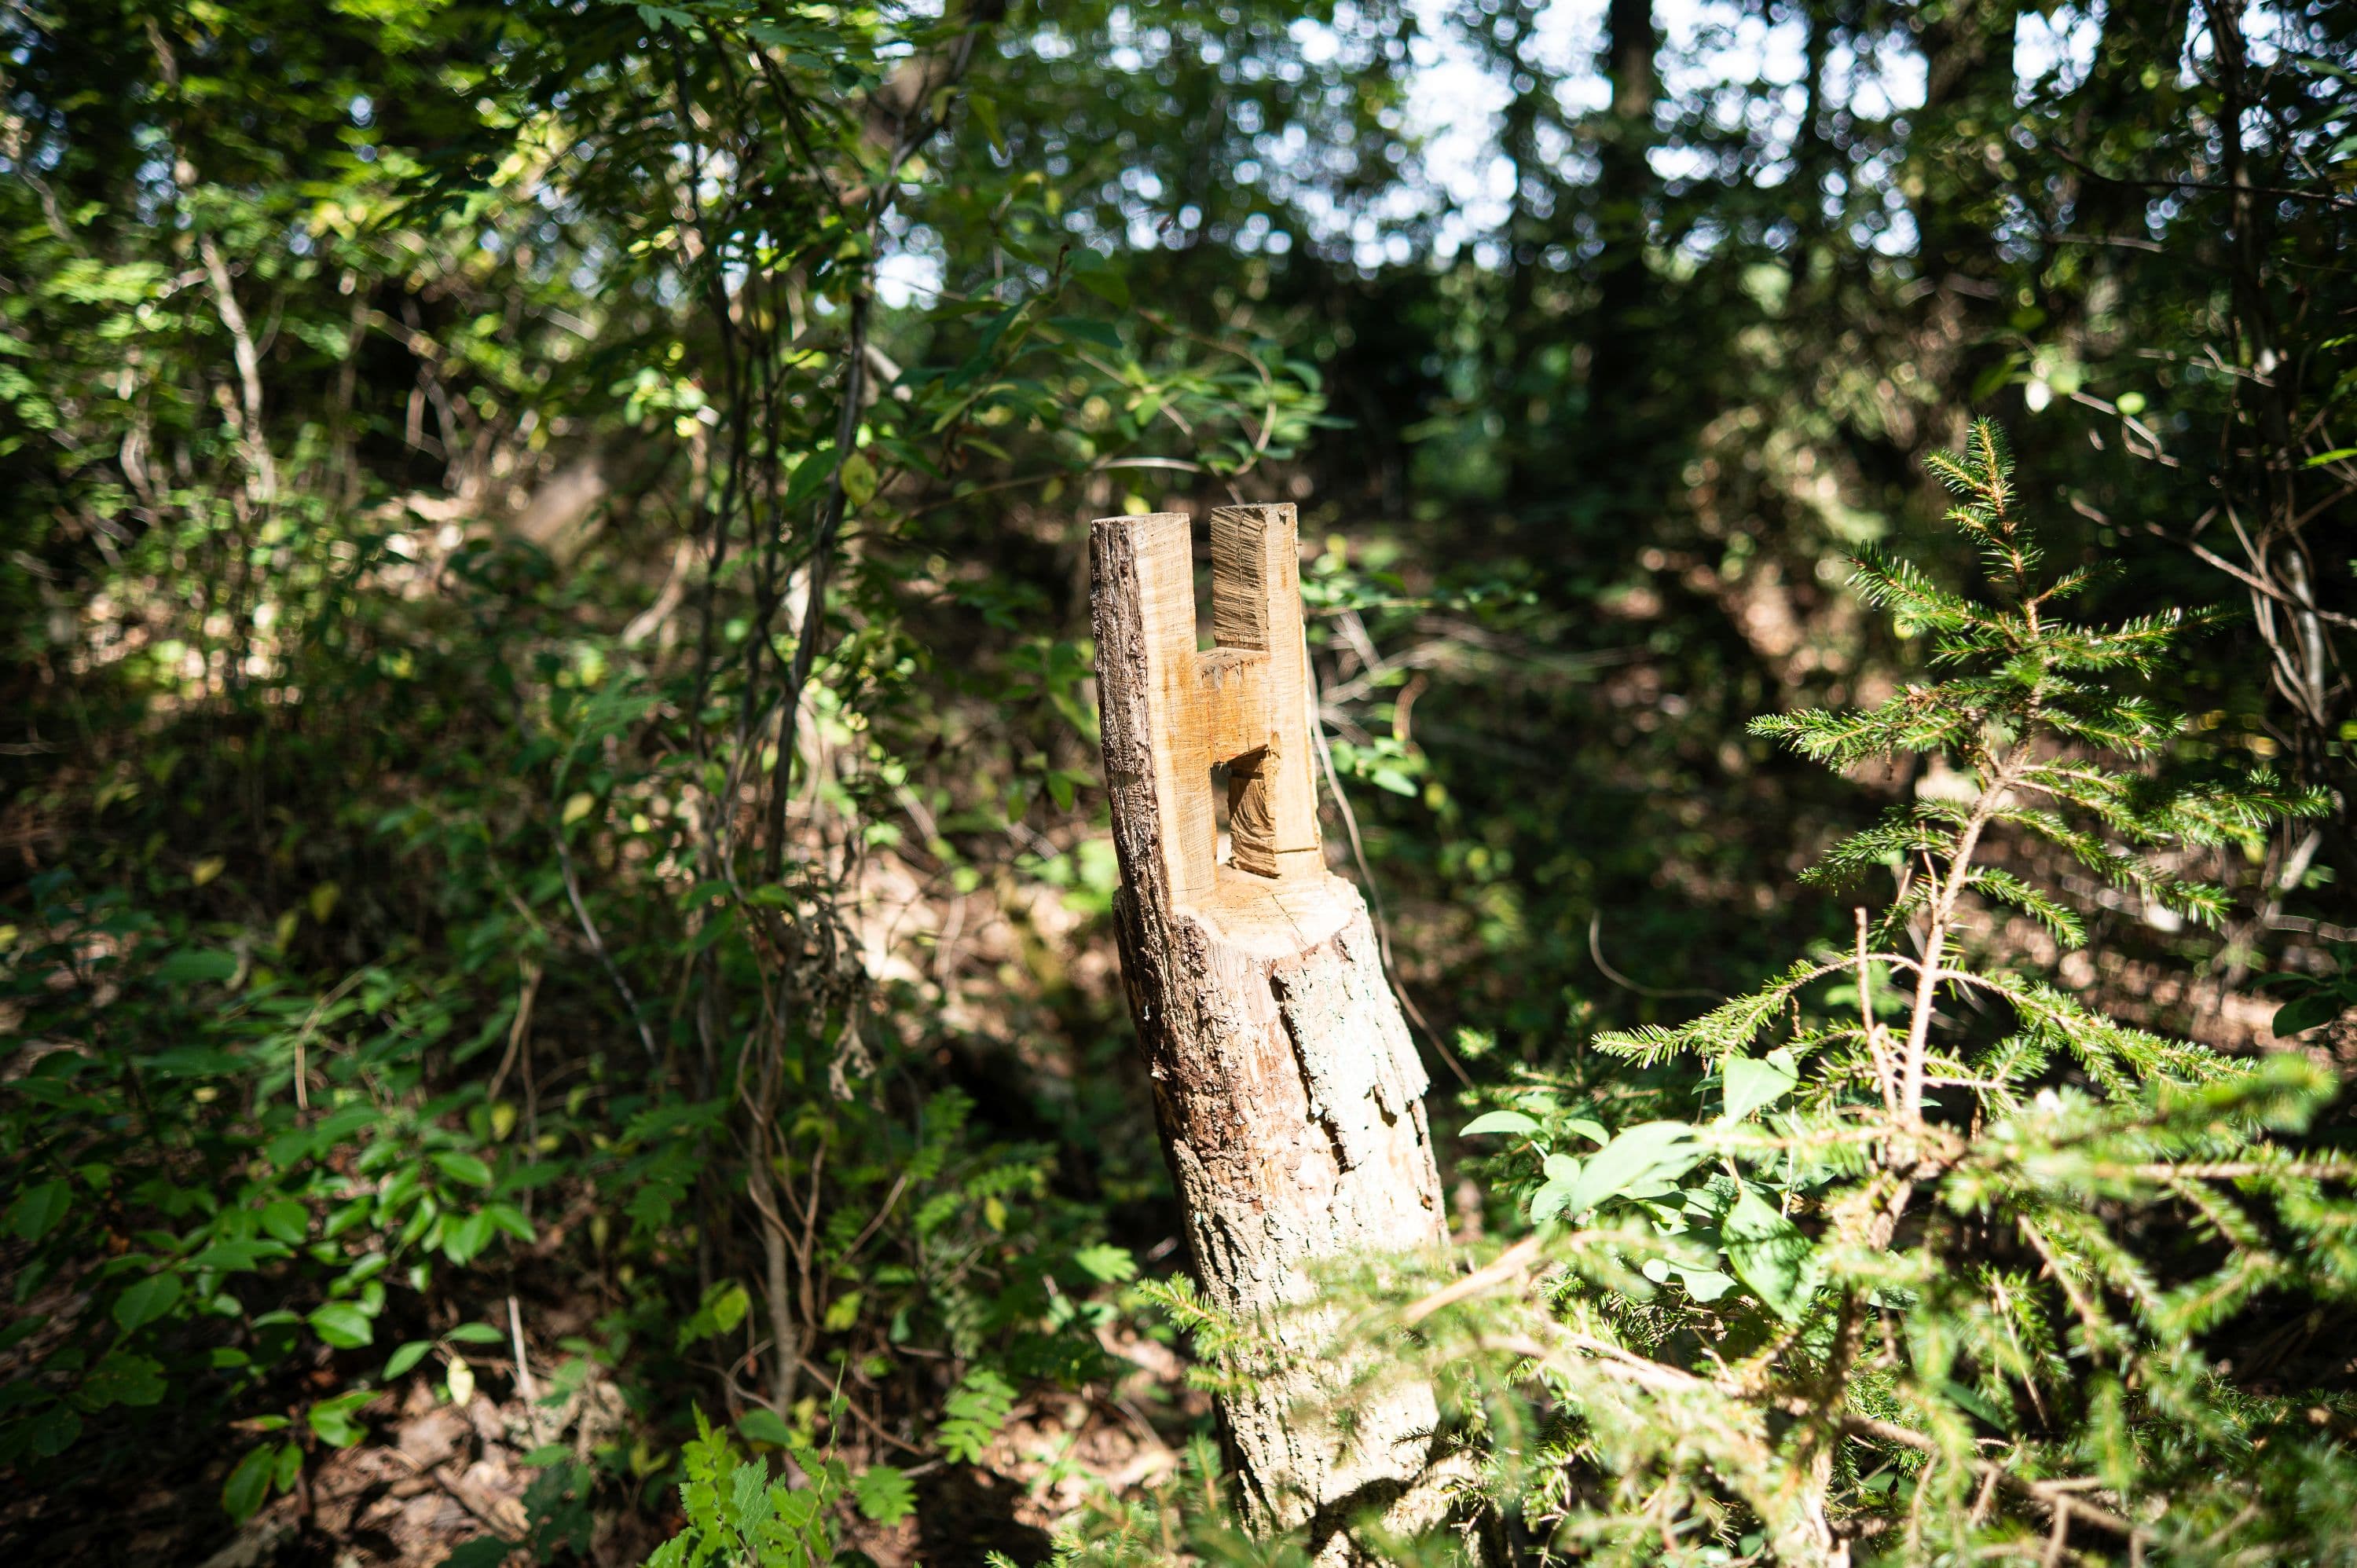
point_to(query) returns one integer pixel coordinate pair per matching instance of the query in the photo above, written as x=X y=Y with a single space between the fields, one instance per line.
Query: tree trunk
x=1287 y=1086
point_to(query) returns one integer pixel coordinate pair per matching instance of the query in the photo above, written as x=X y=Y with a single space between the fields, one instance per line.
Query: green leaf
x=332 y=1421
x=762 y=1425
x=1101 y=333
x=859 y=479
x=342 y=1325
x=1769 y=1253
x=406 y=1357
x=146 y=1301
x=1109 y=1263
x=1106 y=285
x=287 y=1219
x=192 y=966
x=476 y=1334
x=38 y=1209
x=1649 y=1152
x=1754 y=1082
x=122 y=1377
x=724 y=1306
x=884 y=1495
x=54 y=1431
x=230 y=1257
x=460 y=1167
x=1706 y=1285
x=1500 y=1122
x=2306 y=1012
x=248 y=1484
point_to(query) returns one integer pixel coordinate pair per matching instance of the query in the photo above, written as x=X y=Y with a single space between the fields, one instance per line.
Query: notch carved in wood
x=1173 y=714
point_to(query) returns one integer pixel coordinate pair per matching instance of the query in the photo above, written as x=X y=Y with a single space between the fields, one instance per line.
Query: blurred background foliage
x=554 y=870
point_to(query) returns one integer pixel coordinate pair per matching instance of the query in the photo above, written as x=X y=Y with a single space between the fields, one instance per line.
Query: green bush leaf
x=406 y=1357
x=38 y=1209
x=146 y=1301
x=1500 y=1122
x=192 y=966
x=343 y=1324
x=762 y=1425
x=2318 y=1007
x=459 y=1166
x=248 y=1484
x=122 y=1377
x=233 y=1257
x=287 y=1219
x=1769 y=1253
x=1649 y=1152
x=1754 y=1082
x=332 y=1421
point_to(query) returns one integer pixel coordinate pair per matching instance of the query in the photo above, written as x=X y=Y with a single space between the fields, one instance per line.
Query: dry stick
x=1509 y=1264
x=2052 y=1496
x=1935 y=940
x=1873 y=1033
x=1596 y=951
x=518 y=1029
x=598 y=945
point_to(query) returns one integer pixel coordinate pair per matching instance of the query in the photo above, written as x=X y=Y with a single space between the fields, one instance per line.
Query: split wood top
x=1173 y=712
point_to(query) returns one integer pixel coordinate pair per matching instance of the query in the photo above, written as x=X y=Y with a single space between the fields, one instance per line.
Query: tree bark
x=1286 y=1083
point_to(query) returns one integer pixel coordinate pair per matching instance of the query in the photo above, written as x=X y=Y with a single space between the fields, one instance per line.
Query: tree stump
x=1288 y=1090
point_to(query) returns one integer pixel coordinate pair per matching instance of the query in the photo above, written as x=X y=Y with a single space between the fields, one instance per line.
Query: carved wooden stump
x=1288 y=1090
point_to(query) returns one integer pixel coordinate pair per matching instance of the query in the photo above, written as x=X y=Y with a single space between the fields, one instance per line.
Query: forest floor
x=436 y=1478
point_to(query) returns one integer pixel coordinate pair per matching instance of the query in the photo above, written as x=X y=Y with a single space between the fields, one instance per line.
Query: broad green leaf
x=230 y=1257
x=146 y=1301
x=1769 y=1253
x=406 y=1357
x=1754 y=1082
x=121 y=1377
x=1650 y=1151
x=1500 y=1122
x=761 y=1424
x=461 y=1166
x=2318 y=1007
x=343 y=1324
x=38 y=1209
x=287 y=1219
x=192 y=966
x=248 y=1484
x=333 y=1420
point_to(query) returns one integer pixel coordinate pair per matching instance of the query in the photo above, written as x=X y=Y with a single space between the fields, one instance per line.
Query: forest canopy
x=560 y=997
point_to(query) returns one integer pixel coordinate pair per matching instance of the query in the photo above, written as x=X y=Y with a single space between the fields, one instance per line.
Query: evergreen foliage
x=1960 y=1265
